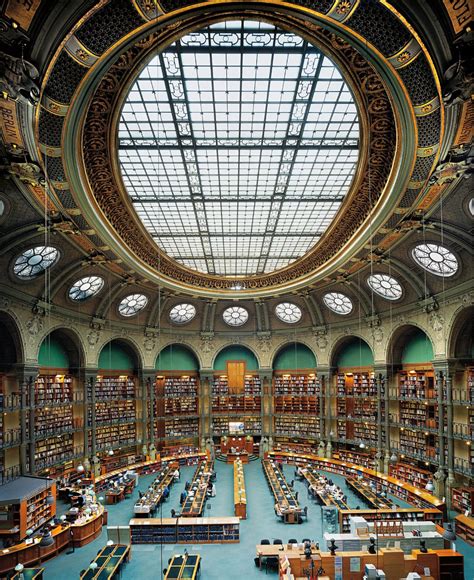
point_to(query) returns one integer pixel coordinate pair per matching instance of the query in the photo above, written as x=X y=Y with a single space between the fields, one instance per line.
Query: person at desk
x=166 y=492
x=183 y=496
x=176 y=474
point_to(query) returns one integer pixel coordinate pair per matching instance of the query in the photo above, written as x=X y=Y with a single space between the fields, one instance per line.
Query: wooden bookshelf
x=411 y=474
x=176 y=405
x=465 y=528
x=227 y=401
x=463 y=499
x=416 y=384
x=53 y=450
x=26 y=504
x=185 y=530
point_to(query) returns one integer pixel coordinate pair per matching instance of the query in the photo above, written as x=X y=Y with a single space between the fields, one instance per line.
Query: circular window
x=435 y=259
x=235 y=316
x=471 y=206
x=385 y=286
x=337 y=302
x=182 y=313
x=132 y=304
x=34 y=261
x=86 y=287
x=288 y=312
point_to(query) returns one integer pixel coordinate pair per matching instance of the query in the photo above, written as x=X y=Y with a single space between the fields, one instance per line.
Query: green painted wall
x=418 y=349
x=294 y=356
x=114 y=357
x=176 y=357
x=356 y=353
x=235 y=353
x=53 y=354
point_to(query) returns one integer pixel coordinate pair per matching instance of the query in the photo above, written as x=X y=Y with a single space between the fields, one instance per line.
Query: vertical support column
x=325 y=374
x=91 y=400
x=205 y=406
x=87 y=379
x=266 y=379
x=26 y=376
x=379 y=377
x=451 y=480
x=390 y=377
x=147 y=381
x=31 y=420
x=440 y=475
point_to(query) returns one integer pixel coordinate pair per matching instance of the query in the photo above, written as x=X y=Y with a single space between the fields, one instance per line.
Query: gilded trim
x=416 y=184
x=405 y=55
x=427 y=108
x=427 y=151
x=148 y=9
x=80 y=53
x=54 y=107
x=342 y=10
x=50 y=151
x=61 y=185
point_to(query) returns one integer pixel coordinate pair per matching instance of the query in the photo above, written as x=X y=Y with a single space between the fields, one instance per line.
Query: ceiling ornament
x=414 y=76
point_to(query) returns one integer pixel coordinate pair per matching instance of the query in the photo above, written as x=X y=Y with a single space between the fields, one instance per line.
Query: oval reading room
x=236 y=290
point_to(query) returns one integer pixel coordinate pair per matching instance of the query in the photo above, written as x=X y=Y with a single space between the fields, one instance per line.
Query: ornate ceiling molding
x=381 y=56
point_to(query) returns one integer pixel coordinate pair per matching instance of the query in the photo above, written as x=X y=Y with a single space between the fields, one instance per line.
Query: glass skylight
x=182 y=313
x=86 y=287
x=237 y=146
x=132 y=304
x=435 y=259
x=35 y=260
x=338 y=302
x=385 y=286
x=288 y=312
x=235 y=316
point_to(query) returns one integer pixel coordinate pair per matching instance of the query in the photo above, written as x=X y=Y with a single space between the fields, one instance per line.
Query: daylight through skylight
x=237 y=146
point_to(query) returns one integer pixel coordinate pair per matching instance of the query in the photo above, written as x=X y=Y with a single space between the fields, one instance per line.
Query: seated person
x=166 y=492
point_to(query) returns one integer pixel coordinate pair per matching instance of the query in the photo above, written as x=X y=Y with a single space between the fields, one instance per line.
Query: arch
x=409 y=343
x=61 y=348
x=119 y=354
x=460 y=341
x=11 y=345
x=294 y=356
x=350 y=352
x=235 y=352
x=177 y=357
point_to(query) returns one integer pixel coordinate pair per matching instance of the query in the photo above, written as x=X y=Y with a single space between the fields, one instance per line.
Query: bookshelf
x=53 y=450
x=411 y=474
x=176 y=405
x=416 y=384
x=296 y=404
x=463 y=499
x=228 y=405
x=400 y=515
x=356 y=406
x=185 y=530
x=465 y=528
x=26 y=504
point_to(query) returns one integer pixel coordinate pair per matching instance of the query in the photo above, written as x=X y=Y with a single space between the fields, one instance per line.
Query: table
x=240 y=497
x=197 y=493
x=151 y=499
x=28 y=574
x=286 y=505
x=108 y=561
x=291 y=551
x=242 y=455
x=311 y=476
x=187 y=566
x=114 y=496
x=363 y=489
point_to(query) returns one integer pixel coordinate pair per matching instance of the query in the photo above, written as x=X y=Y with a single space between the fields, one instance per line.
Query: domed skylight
x=435 y=259
x=35 y=260
x=288 y=312
x=338 y=302
x=237 y=145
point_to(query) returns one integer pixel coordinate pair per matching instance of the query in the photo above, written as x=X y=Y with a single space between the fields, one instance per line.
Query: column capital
x=24 y=371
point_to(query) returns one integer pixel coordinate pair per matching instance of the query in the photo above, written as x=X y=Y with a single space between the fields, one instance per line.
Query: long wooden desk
x=363 y=490
x=197 y=493
x=151 y=499
x=108 y=561
x=64 y=535
x=400 y=489
x=240 y=496
x=187 y=566
x=286 y=505
x=311 y=476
